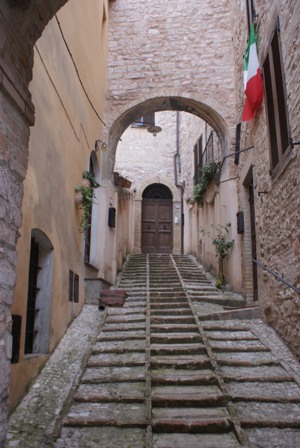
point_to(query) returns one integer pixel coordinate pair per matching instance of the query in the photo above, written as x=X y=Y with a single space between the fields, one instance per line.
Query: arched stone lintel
x=158 y=180
x=205 y=108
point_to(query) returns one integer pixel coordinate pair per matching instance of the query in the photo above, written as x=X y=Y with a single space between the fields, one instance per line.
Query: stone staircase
x=163 y=375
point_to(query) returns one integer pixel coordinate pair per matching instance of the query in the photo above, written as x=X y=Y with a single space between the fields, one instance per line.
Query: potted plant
x=222 y=248
x=85 y=196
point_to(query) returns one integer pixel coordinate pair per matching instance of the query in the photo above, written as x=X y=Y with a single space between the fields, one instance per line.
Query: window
x=145 y=121
x=198 y=149
x=250 y=9
x=73 y=287
x=276 y=104
x=39 y=296
x=88 y=232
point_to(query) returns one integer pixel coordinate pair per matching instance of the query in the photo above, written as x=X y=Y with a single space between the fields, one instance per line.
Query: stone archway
x=164 y=101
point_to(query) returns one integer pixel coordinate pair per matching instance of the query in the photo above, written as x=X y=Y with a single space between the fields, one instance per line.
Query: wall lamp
x=100 y=144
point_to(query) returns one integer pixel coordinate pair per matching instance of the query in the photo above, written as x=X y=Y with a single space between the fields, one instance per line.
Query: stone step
x=124 y=327
x=182 y=311
x=246 y=359
x=166 y=294
x=94 y=375
x=106 y=414
x=121 y=335
x=188 y=377
x=288 y=392
x=167 y=328
x=177 y=440
x=111 y=392
x=177 y=349
x=175 y=337
x=110 y=436
x=119 y=346
x=172 y=319
x=170 y=299
x=260 y=373
x=274 y=437
x=128 y=311
x=272 y=415
x=175 y=304
x=238 y=346
x=231 y=335
x=191 y=420
x=125 y=318
x=225 y=325
x=116 y=360
x=186 y=396
x=180 y=362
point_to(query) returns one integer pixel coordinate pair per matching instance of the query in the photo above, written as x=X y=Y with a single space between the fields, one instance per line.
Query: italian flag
x=253 y=83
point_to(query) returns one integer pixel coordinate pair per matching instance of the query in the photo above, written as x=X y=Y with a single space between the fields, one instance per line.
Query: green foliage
x=222 y=248
x=87 y=193
x=199 y=190
x=90 y=176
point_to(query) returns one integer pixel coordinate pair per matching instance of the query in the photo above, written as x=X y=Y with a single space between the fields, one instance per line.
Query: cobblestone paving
x=163 y=373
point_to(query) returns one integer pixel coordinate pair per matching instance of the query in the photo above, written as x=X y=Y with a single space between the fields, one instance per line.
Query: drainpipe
x=179 y=185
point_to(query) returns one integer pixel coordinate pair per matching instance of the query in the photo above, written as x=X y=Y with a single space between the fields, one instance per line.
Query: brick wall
x=277 y=209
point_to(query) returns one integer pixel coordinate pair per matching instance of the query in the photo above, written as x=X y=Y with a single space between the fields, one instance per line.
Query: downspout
x=179 y=185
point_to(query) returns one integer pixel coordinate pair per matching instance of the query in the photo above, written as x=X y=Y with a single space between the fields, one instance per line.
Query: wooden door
x=157 y=231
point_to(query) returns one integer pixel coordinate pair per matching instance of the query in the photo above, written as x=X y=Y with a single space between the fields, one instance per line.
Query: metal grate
x=157 y=191
x=31 y=297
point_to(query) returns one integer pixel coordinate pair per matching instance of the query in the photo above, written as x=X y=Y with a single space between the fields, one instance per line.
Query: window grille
x=31 y=296
x=157 y=191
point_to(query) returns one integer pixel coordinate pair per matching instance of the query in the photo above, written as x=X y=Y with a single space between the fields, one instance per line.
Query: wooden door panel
x=149 y=226
x=157 y=226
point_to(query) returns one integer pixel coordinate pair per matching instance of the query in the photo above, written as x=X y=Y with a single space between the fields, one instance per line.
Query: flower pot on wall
x=85 y=182
x=78 y=197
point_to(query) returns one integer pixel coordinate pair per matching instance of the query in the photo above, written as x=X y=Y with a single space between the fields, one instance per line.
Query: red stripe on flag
x=254 y=96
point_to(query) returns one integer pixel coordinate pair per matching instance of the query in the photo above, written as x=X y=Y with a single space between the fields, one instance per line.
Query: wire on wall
x=77 y=72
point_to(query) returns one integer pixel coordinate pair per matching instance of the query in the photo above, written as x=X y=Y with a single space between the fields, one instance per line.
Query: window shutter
x=284 y=137
x=271 y=113
x=71 y=285
x=16 y=334
x=76 y=288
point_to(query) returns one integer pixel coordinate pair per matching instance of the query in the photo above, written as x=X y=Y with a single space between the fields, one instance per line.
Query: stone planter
x=112 y=297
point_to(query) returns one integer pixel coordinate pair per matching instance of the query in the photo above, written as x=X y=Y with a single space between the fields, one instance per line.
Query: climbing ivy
x=207 y=173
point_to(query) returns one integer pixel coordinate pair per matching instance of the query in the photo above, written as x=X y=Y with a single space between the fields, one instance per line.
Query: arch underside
x=171 y=103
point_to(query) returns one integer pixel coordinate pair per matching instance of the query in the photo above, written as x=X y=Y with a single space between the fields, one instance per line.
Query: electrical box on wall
x=240 y=222
x=112 y=217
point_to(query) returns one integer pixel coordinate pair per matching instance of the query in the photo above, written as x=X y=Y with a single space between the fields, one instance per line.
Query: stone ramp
x=159 y=377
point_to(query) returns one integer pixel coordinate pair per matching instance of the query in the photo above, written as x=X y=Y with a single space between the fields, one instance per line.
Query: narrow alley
x=181 y=365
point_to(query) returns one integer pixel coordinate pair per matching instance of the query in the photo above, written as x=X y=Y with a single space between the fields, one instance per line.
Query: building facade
x=61 y=114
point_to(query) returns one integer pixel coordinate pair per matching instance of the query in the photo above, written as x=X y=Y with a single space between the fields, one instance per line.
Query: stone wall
x=173 y=51
x=277 y=208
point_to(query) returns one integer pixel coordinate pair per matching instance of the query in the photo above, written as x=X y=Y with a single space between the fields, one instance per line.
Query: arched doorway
x=157 y=213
